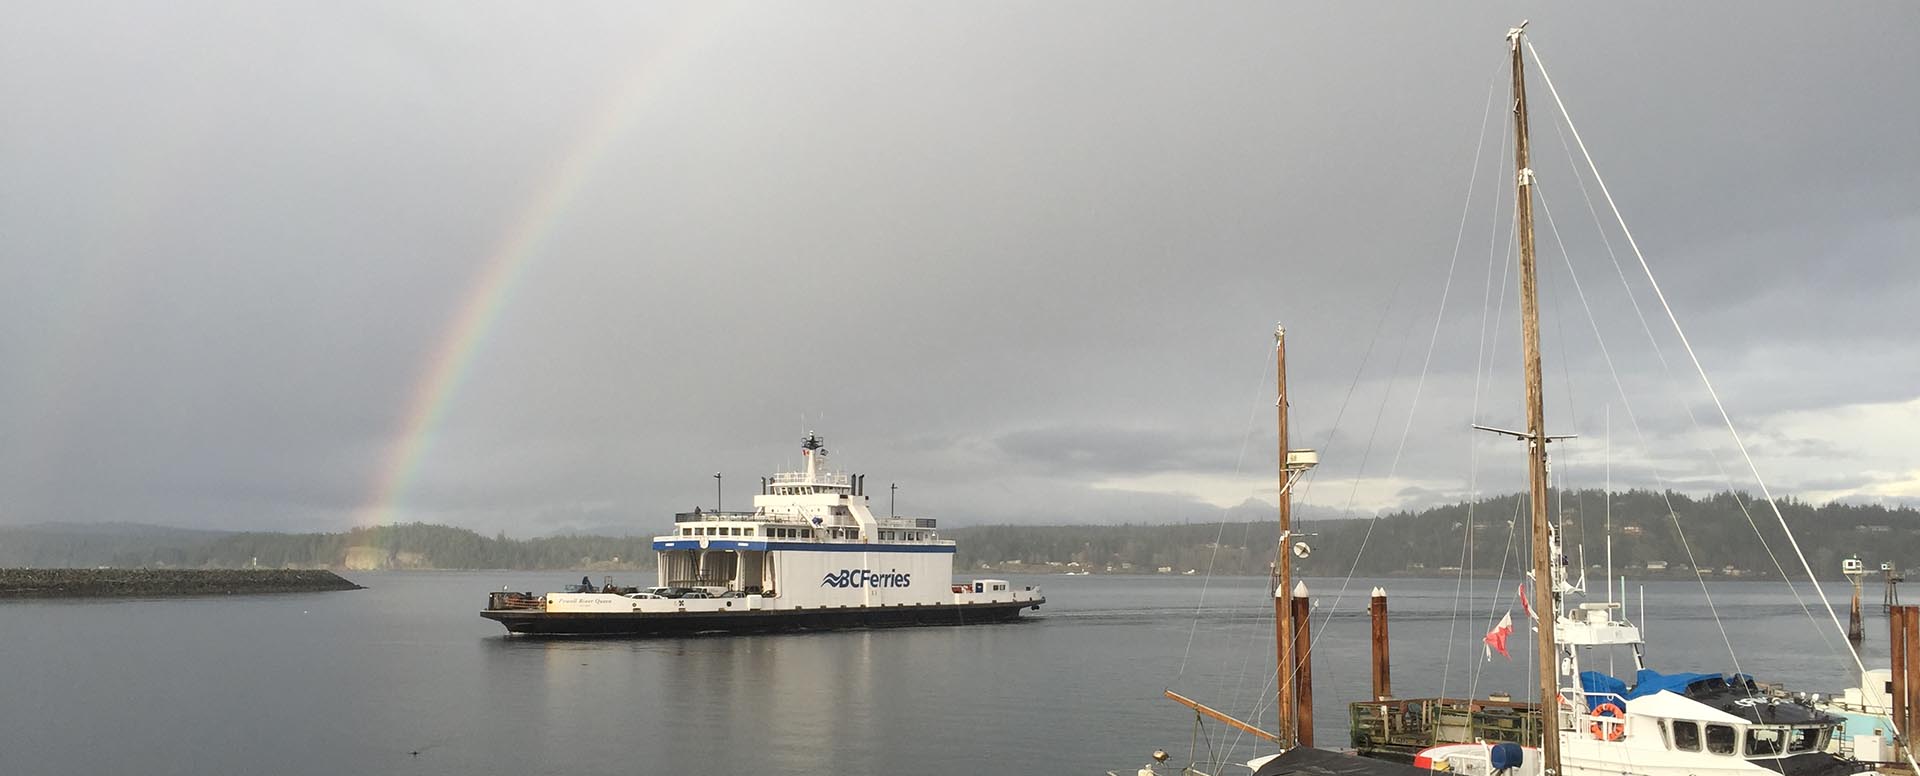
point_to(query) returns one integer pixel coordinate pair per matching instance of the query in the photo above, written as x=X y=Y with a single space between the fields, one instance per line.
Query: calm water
x=358 y=682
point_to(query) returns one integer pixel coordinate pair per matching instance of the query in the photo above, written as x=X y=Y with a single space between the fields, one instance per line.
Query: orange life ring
x=1605 y=730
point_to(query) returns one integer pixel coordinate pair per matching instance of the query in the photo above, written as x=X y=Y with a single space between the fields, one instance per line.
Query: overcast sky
x=539 y=268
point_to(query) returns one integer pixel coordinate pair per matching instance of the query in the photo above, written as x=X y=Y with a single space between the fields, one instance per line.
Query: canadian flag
x=1497 y=638
x=1526 y=607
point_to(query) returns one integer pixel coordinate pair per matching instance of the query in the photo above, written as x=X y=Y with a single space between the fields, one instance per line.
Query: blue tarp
x=1646 y=682
x=1598 y=686
x=1649 y=681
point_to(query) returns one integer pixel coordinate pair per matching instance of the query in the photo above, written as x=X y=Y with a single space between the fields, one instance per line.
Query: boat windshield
x=1766 y=741
x=1773 y=741
x=1808 y=739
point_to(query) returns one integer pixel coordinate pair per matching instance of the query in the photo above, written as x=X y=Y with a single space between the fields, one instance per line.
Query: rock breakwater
x=143 y=583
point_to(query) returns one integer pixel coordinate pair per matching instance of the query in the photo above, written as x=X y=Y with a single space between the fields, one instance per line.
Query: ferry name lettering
x=866 y=578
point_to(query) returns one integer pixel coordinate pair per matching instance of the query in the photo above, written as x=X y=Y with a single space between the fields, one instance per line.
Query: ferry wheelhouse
x=809 y=555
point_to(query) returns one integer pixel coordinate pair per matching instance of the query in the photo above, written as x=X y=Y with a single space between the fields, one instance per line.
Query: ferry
x=811 y=555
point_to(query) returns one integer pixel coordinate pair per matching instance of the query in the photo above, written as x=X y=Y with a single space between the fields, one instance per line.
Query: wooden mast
x=1543 y=561
x=1283 y=560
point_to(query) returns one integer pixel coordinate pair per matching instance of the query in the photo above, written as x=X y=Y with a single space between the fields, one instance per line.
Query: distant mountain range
x=1648 y=530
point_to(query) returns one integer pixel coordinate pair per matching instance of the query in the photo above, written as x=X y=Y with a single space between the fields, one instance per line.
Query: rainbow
x=499 y=275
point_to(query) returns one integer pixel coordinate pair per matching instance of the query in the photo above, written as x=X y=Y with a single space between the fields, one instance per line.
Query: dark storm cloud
x=1023 y=261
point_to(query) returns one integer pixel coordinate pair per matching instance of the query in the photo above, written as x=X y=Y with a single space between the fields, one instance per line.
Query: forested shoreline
x=1727 y=534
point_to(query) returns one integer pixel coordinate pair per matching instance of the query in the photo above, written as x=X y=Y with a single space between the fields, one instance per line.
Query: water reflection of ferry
x=810 y=555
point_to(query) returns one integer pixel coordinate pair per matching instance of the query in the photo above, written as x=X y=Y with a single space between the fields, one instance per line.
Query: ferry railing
x=698 y=516
x=801 y=478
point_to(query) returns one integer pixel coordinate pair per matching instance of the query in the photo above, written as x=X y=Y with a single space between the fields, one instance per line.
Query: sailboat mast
x=1543 y=560
x=1283 y=560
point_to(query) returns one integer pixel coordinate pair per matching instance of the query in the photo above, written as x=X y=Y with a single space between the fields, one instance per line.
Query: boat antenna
x=1543 y=560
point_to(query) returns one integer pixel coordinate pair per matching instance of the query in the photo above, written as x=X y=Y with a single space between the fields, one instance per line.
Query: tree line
x=1653 y=534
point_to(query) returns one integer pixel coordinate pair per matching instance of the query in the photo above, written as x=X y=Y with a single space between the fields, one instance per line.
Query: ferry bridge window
x=1720 y=739
x=1765 y=742
x=1686 y=736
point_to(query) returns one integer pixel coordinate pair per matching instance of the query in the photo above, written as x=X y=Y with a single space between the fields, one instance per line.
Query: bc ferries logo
x=866 y=578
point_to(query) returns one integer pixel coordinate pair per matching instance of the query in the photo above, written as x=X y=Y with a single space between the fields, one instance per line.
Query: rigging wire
x=1493 y=605
x=1482 y=378
x=1366 y=357
x=1238 y=464
x=1483 y=382
x=1267 y=694
x=1701 y=370
x=1693 y=419
x=1634 y=420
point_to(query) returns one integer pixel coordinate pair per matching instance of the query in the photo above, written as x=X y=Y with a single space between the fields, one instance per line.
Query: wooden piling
x=1303 y=668
x=1855 y=630
x=1912 y=668
x=1382 y=663
x=1897 y=645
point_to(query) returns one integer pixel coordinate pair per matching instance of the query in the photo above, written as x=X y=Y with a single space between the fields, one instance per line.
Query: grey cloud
x=1095 y=450
x=991 y=253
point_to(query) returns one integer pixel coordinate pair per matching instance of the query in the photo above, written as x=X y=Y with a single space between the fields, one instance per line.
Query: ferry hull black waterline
x=534 y=622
